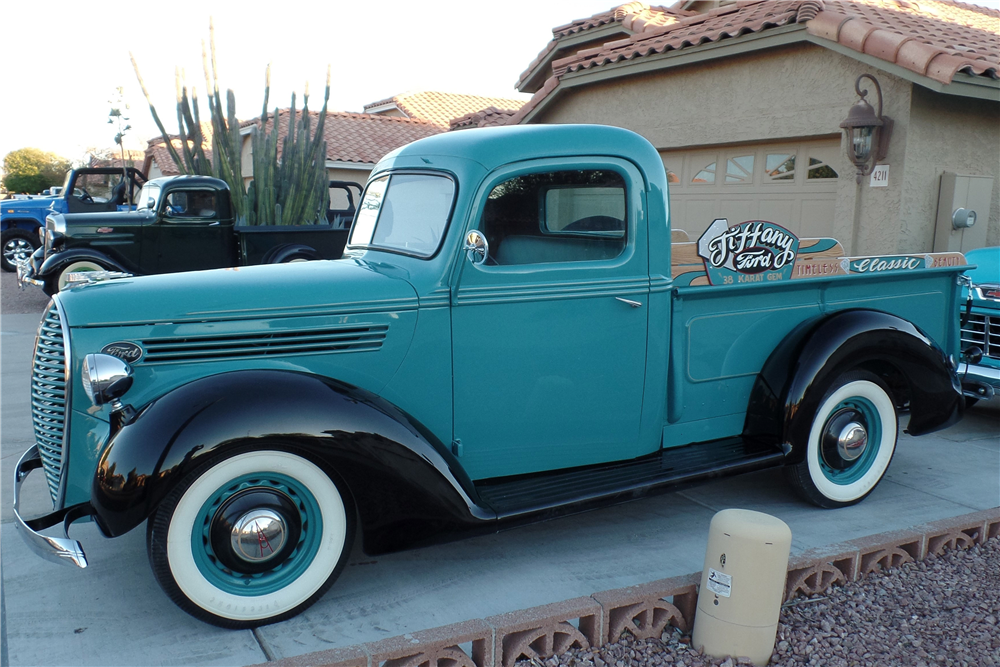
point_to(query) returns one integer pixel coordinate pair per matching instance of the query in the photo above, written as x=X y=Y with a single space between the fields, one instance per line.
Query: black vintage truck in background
x=183 y=223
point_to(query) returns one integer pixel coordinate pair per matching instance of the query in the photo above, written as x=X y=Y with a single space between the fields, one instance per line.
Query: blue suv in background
x=91 y=190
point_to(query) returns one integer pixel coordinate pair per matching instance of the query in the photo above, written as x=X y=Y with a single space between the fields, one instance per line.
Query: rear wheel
x=851 y=442
x=18 y=245
x=251 y=538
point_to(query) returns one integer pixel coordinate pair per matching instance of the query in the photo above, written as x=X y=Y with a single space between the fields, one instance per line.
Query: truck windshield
x=404 y=212
x=149 y=191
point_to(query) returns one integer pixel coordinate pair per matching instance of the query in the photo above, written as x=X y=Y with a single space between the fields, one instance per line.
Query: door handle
x=634 y=304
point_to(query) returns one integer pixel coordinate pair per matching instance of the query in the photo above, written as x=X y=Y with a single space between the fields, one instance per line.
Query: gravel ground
x=944 y=610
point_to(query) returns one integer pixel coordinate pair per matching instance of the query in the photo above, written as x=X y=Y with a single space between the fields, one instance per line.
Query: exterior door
x=549 y=332
x=194 y=231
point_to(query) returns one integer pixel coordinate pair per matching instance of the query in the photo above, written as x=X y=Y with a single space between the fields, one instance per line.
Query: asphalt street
x=113 y=612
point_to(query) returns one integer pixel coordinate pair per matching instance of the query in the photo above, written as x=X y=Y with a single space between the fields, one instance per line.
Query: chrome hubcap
x=16 y=250
x=258 y=535
x=852 y=441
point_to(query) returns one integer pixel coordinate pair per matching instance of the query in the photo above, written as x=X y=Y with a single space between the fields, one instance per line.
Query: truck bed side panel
x=721 y=337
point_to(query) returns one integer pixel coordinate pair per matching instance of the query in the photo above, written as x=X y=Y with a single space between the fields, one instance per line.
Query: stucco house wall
x=954 y=134
x=783 y=94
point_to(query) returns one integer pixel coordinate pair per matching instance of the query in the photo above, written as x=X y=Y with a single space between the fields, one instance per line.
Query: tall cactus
x=289 y=190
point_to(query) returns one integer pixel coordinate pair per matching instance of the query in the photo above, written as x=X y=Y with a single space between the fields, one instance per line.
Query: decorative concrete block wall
x=645 y=611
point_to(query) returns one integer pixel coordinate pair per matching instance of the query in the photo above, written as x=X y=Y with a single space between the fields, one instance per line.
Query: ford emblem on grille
x=129 y=352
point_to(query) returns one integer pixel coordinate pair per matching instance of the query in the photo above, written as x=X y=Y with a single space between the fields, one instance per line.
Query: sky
x=71 y=58
x=63 y=65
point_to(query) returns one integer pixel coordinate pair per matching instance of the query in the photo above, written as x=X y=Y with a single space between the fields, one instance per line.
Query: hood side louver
x=355 y=338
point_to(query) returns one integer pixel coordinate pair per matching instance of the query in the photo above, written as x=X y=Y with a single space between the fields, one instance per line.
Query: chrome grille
x=983 y=331
x=353 y=338
x=49 y=397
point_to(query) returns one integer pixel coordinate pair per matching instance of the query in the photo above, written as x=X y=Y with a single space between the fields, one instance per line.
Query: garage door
x=790 y=184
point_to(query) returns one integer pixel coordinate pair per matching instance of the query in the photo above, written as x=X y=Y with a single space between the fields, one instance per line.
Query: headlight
x=55 y=228
x=105 y=378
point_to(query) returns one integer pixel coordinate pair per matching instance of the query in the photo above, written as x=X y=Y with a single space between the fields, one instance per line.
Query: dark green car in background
x=183 y=223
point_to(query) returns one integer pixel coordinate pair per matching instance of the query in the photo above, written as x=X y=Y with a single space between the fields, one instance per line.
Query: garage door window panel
x=819 y=170
x=780 y=167
x=705 y=175
x=739 y=170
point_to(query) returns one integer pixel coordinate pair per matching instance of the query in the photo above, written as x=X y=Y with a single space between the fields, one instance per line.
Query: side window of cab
x=189 y=205
x=559 y=216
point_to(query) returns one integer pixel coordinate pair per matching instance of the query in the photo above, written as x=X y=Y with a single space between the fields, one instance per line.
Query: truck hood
x=15 y=206
x=274 y=290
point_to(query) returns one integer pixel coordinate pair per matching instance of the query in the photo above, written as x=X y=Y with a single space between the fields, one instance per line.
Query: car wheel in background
x=18 y=244
x=59 y=281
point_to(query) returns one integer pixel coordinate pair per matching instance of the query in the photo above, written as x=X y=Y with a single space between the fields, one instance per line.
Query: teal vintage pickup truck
x=511 y=335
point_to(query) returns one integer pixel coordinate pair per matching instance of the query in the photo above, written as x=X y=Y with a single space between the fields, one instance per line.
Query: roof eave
x=385 y=106
x=963 y=85
x=535 y=77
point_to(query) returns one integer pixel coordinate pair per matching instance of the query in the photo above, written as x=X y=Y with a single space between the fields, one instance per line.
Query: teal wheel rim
x=285 y=572
x=868 y=415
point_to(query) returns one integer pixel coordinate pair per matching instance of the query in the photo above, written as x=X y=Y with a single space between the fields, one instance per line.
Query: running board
x=578 y=489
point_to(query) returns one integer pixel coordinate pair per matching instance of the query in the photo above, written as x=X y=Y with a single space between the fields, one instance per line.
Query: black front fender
x=282 y=253
x=797 y=375
x=408 y=489
x=55 y=262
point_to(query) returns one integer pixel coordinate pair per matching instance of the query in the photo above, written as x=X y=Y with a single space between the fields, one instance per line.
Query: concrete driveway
x=113 y=613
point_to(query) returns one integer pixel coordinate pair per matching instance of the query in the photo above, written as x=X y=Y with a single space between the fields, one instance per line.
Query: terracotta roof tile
x=157 y=150
x=633 y=16
x=935 y=38
x=360 y=137
x=488 y=117
x=440 y=108
x=626 y=14
x=724 y=22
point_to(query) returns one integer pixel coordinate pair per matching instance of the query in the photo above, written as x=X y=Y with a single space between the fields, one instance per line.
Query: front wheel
x=18 y=245
x=251 y=538
x=851 y=442
x=60 y=280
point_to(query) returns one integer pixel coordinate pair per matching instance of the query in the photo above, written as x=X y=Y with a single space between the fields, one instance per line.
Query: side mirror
x=476 y=247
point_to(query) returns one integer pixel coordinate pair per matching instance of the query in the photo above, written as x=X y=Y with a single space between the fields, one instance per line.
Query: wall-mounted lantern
x=867 y=132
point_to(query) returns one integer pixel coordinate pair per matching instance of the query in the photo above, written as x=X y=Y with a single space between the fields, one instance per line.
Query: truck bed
x=721 y=336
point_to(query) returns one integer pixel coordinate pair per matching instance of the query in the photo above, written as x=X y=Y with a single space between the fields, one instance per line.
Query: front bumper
x=26 y=274
x=979 y=381
x=56 y=549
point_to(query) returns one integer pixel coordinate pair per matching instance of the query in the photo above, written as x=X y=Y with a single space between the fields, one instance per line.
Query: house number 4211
x=880 y=176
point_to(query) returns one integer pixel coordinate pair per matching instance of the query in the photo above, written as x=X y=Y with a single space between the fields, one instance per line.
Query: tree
x=116 y=114
x=32 y=170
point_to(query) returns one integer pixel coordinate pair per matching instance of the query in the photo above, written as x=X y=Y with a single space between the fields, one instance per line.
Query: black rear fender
x=408 y=488
x=797 y=375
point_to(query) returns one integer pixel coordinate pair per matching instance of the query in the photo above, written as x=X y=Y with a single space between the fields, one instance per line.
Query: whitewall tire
x=851 y=442
x=251 y=539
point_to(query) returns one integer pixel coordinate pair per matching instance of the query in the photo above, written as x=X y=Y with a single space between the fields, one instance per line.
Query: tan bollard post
x=742 y=585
